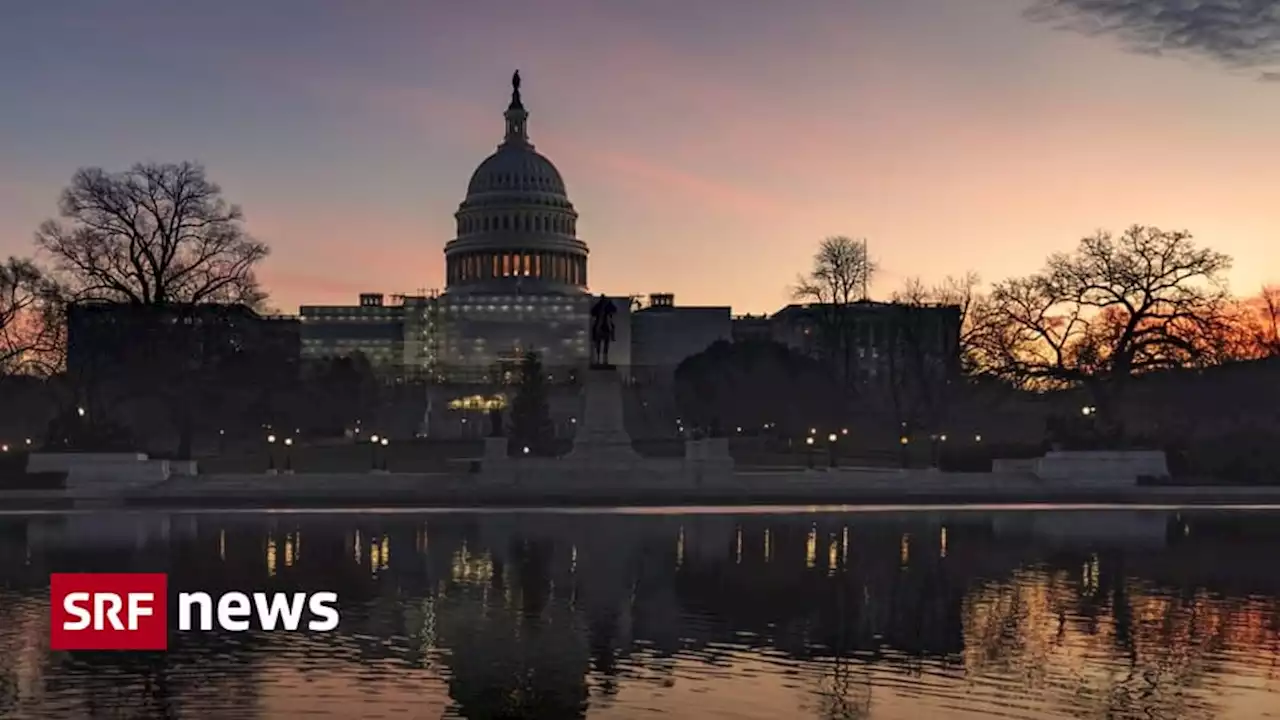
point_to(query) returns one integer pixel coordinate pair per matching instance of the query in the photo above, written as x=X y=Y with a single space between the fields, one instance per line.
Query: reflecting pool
x=786 y=614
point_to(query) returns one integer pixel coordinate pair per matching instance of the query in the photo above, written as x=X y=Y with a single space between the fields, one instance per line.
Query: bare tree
x=842 y=270
x=1254 y=329
x=1117 y=307
x=28 y=329
x=153 y=235
x=962 y=292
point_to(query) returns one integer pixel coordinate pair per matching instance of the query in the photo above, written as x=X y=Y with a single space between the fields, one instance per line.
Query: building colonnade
x=558 y=267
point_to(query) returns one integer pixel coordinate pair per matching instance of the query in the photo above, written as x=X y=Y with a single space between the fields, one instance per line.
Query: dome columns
x=489 y=267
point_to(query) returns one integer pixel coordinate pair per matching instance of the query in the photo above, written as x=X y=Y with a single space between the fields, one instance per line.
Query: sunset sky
x=709 y=145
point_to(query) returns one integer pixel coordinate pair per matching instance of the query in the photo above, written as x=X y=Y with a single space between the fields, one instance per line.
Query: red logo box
x=108 y=611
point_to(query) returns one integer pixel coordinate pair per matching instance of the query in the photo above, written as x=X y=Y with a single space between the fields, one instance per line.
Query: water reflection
x=1049 y=614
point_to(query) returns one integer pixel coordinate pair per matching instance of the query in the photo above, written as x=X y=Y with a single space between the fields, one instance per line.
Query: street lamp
x=385 y=459
x=288 y=459
x=80 y=411
x=903 y=441
x=808 y=452
x=271 y=454
x=831 y=448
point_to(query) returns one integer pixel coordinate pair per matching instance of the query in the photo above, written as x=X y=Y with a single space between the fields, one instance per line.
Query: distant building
x=752 y=327
x=150 y=366
x=372 y=327
x=664 y=334
x=874 y=329
x=101 y=336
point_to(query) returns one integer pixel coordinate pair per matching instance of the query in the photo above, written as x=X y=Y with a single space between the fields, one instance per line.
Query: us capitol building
x=517 y=280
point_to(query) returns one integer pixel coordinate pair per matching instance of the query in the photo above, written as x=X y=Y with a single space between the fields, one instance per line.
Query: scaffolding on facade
x=421 y=353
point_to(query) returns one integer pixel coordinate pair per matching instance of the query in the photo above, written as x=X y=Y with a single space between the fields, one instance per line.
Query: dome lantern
x=517 y=117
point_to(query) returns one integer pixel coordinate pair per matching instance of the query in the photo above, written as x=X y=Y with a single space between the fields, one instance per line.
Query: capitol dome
x=516 y=229
x=516 y=168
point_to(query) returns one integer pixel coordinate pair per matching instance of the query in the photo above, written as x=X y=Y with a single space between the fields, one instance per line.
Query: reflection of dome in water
x=516 y=229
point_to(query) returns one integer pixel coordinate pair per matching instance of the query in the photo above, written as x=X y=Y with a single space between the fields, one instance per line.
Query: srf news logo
x=129 y=611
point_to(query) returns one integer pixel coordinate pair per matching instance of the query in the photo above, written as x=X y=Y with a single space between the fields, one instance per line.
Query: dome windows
x=555 y=267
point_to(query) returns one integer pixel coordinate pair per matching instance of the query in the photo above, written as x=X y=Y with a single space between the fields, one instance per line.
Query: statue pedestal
x=602 y=436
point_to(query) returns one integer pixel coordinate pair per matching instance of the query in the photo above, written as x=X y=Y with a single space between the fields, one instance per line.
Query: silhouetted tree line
x=756 y=385
x=1090 y=331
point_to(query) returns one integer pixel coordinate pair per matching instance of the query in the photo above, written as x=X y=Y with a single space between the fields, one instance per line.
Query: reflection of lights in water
x=1089 y=575
x=905 y=550
x=375 y=555
x=428 y=634
x=844 y=545
x=468 y=568
x=831 y=556
x=271 y=557
x=680 y=548
x=738 y=550
x=768 y=551
x=222 y=545
x=386 y=552
x=943 y=551
x=288 y=550
x=573 y=559
x=356 y=545
x=811 y=547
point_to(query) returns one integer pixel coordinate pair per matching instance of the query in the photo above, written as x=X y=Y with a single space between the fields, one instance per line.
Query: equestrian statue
x=602 y=331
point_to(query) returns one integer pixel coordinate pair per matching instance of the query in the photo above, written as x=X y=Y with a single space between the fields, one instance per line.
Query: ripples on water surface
x=1097 y=614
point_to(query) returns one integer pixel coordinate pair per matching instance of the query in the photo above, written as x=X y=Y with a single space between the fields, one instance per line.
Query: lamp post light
x=271 y=454
x=808 y=452
x=288 y=456
x=903 y=442
x=373 y=453
x=385 y=459
x=831 y=449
